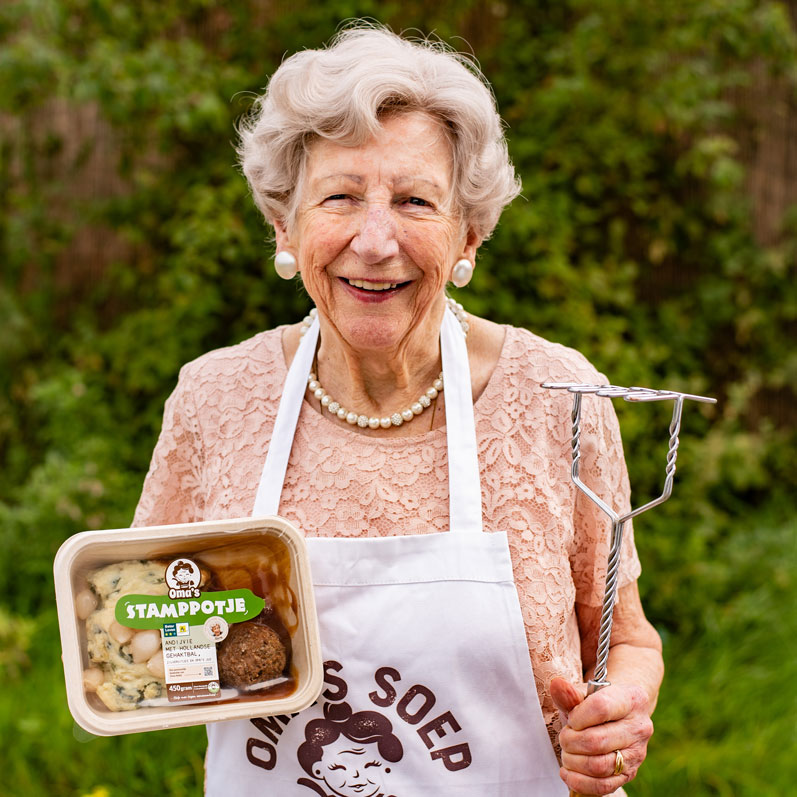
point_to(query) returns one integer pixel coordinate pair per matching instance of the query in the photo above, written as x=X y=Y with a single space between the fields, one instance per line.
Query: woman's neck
x=380 y=382
x=485 y=342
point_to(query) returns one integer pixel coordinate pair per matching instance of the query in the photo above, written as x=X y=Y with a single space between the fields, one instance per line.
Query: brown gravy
x=262 y=566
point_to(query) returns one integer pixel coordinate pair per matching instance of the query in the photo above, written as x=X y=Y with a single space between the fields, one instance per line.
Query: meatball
x=250 y=654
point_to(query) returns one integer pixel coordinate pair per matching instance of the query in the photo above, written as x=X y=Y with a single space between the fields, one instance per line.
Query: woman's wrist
x=637 y=666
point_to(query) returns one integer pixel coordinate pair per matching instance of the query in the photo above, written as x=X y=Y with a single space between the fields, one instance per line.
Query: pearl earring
x=285 y=265
x=462 y=273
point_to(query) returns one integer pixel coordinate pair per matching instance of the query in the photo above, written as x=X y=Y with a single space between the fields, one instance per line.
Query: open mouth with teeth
x=365 y=286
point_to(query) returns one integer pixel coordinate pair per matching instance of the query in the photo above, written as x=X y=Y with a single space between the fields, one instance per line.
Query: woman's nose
x=376 y=239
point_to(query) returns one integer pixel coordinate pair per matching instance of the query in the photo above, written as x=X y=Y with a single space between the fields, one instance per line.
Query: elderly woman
x=458 y=574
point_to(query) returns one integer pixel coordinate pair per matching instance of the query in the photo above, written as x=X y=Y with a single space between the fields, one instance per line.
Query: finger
x=604 y=739
x=583 y=784
x=602 y=766
x=608 y=705
x=566 y=696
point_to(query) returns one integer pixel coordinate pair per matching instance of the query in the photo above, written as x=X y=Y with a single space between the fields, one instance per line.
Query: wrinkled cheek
x=435 y=281
x=317 y=283
x=433 y=252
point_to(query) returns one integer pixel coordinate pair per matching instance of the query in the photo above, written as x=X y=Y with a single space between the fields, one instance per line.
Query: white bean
x=144 y=645
x=92 y=678
x=121 y=633
x=155 y=665
x=85 y=603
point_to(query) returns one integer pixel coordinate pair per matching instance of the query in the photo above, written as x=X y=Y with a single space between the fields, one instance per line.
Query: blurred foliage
x=632 y=242
x=728 y=698
x=53 y=756
x=15 y=637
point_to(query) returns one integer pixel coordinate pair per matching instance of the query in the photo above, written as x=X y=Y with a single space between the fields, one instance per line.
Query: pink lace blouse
x=218 y=423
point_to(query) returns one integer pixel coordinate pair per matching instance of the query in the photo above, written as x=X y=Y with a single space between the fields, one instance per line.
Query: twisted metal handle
x=632 y=394
x=598 y=681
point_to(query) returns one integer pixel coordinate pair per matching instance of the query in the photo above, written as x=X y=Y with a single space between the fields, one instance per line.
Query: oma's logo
x=182 y=578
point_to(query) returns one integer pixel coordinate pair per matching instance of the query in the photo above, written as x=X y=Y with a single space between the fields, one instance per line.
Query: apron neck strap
x=464 y=486
x=463 y=464
x=267 y=500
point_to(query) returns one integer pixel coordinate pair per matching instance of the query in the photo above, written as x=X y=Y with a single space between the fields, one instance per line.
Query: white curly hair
x=342 y=92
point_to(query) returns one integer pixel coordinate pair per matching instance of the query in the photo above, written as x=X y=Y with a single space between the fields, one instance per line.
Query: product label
x=191 y=623
x=151 y=611
x=189 y=660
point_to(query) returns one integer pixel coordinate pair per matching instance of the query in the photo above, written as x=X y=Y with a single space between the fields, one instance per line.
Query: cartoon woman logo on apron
x=347 y=752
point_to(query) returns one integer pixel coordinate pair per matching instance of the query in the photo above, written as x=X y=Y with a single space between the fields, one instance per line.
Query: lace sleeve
x=171 y=492
x=603 y=469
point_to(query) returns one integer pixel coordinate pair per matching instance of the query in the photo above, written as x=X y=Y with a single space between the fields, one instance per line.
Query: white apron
x=429 y=689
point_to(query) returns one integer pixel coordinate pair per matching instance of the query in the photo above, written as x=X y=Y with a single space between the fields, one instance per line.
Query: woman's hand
x=614 y=718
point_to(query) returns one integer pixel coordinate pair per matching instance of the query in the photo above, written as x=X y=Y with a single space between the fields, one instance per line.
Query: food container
x=187 y=624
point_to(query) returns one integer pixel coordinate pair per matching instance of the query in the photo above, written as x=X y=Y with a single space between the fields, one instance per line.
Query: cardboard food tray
x=89 y=550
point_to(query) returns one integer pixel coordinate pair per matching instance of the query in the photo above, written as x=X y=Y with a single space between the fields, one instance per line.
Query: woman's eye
x=335 y=196
x=373 y=764
x=337 y=766
x=415 y=200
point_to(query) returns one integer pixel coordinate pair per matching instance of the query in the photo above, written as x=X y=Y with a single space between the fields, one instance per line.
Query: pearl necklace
x=397 y=418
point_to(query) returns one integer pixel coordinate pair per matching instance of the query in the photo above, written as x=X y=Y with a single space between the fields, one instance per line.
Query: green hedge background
x=129 y=245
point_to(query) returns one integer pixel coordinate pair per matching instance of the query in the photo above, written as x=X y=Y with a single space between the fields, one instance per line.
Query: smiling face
x=377 y=234
x=183 y=575
x=350 y=769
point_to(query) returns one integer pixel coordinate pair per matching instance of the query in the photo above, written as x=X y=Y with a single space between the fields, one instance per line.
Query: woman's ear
x=471 y=245
x=281 y=235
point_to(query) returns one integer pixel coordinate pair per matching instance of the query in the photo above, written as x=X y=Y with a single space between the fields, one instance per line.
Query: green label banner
x=152 y=611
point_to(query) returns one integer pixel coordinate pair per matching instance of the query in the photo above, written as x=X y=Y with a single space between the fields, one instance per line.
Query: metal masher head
x=631 y=394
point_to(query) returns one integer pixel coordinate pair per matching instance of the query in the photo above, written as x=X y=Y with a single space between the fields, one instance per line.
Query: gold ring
x=619 y=763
